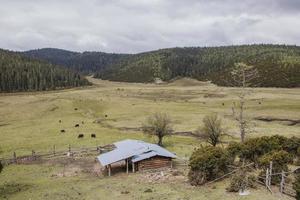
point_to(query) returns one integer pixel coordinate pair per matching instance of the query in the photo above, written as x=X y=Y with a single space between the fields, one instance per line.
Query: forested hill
x=278 y=65
x=85 y=63
x=18 y=73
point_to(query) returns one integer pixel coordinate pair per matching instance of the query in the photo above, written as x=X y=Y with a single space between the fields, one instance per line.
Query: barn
x=138 y=155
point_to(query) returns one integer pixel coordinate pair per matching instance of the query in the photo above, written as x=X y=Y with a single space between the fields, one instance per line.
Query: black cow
x=93 y=135
x=76 y=125
x=80 y=136
x=62 y=131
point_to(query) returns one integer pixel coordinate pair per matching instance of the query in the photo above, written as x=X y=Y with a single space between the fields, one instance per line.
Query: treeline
x=85 y=63
x=277 y=65
x=18 y=73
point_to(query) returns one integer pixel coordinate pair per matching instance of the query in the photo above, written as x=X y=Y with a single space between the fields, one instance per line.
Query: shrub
x=234 y=149
x=296 y=187
x=257 y=147
x=241 y=181
x=280 y=160
x=207 y=163
x=291 y=145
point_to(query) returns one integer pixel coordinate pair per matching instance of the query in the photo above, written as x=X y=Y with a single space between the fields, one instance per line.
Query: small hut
x=140 y=155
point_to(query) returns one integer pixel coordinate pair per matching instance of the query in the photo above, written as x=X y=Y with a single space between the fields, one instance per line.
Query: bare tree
x=212 y=130
x=158 y=125
x=243 y=76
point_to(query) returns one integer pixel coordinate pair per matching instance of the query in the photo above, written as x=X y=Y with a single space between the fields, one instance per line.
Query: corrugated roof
x=143 y=156
x=136 y=149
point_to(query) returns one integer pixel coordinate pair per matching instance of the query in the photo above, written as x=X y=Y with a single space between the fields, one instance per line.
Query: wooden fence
x=284 y=187
x=70 y=152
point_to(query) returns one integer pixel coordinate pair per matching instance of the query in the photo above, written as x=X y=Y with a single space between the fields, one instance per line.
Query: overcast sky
x=131 y=26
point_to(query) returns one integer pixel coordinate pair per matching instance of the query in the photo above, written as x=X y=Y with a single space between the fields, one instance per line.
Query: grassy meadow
x=113 y=111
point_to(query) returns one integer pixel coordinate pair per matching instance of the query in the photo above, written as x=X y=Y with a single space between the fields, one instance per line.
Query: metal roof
x=135 y=149
x=143 y=156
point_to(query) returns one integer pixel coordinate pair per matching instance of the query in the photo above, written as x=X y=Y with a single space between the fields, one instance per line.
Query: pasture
x=114 y=111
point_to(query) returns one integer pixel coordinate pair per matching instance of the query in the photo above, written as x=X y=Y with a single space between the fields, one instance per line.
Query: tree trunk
x=160 y=140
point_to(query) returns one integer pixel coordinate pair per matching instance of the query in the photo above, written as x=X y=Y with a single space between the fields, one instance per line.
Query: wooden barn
x=138 y=155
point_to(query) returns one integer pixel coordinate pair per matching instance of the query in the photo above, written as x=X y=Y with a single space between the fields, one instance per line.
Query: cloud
x=142 y=25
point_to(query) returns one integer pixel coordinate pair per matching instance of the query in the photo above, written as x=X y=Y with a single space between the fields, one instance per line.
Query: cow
x=62 y=131
x=76 y=125
x=80 y=136
x=93 y=135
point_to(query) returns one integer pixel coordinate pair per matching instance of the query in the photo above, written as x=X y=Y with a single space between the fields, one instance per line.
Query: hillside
x=86 y=62
x=278 y=65
x=18 y=73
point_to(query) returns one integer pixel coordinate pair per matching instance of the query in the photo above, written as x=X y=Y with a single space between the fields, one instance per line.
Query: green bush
x=234 y=149
x=254 y=148
x=241 y=181
x=207 y=163
x=296 y=187
x=280 y=160
x=291 y=145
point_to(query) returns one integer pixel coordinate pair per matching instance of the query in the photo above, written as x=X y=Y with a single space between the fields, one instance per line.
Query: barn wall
x=154 y=163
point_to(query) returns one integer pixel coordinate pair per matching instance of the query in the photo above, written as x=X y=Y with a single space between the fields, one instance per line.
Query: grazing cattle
x=76 y=125
x=259 y=102
x=62 y=131
x=106 y=115
x=75 y=108
x=80 y=136
x=59 y=121
x=93 y=135
x=223 y=104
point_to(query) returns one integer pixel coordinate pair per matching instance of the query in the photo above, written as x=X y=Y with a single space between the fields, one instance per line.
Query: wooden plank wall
x=154 y=163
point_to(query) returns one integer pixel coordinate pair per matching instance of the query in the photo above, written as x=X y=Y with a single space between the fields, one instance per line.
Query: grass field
x=30 y=121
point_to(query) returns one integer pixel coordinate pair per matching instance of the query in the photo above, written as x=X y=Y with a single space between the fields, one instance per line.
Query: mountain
x=19 y=73
x=85 y=63
x=277 y=65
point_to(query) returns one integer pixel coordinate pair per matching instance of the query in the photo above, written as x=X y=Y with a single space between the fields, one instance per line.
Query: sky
x=131 y=26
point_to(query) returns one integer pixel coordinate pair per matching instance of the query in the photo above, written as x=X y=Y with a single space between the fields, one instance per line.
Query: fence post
x=15 y=157
x=54 y=150
x=270 y=172
x=282 y=182
x=69 y=153
x=267 y=177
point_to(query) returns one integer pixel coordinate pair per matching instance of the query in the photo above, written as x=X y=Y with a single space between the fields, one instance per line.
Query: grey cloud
x=143 y=25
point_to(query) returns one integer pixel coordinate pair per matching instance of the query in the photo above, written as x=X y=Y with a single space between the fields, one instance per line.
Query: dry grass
x=30 y=121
